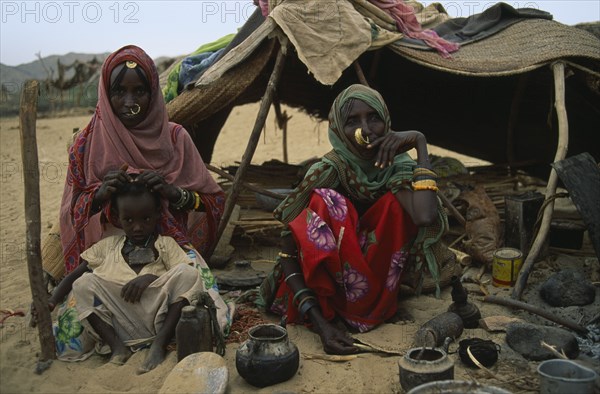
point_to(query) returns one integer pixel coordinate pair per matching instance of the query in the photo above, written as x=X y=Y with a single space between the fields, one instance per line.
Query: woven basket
x=52 y=254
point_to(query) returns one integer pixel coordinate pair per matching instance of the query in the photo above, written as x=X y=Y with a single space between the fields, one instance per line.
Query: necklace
x=138 y=255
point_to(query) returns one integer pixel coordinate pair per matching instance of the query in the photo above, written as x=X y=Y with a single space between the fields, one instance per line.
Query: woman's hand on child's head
x=155 y=182
x=111 y=182
x=133 y=290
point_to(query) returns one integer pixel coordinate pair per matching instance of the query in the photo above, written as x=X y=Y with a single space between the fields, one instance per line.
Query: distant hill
x=35 y=69
x=13 y=77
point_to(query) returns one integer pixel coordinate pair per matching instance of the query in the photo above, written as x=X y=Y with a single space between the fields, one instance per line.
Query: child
x=138 y=283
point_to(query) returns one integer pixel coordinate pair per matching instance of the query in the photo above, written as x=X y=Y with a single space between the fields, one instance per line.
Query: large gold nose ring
x=135 y=109
x=360 y=139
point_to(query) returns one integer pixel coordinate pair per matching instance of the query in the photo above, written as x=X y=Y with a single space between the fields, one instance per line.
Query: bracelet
x=286 y=256
x=301 y=291
x=197 y=201
x=420 y=171
x=426 y=184
x=290 y=275
x=182 y=198
x=306 y=304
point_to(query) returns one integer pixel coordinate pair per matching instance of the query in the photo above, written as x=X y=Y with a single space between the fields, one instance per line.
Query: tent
x=493 y=99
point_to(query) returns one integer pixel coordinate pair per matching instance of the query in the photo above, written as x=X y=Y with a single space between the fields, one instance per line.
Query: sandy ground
x=368 y=373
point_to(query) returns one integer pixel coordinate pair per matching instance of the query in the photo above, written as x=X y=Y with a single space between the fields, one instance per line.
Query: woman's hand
x=157 y=183
x=396 y=142
x=334 y=340
x=133 y=290
x=111 y=182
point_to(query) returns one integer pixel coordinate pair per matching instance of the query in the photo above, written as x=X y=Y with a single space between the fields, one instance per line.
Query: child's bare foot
x=156 y=355
x=120 y=355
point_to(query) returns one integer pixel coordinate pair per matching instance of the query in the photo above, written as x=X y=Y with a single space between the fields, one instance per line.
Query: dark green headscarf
x=343 y=165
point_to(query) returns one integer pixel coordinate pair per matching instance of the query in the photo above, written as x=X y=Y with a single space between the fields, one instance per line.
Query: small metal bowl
x=267 y=203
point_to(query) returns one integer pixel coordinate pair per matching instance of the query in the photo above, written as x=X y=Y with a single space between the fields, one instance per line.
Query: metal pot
x=267 y=357
x=422 y=365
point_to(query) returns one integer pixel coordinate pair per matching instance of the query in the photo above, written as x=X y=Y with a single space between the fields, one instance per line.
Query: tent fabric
x=521 y=47
x=328 y=35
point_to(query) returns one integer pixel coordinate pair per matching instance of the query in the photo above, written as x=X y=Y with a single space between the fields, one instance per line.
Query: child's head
x=138 y=210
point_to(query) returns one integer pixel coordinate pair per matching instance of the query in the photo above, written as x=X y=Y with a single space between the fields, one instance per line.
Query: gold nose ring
x=360 y=139
x=135 y=109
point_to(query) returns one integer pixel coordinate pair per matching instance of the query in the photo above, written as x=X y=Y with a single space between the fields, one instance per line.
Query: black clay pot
x=267 y=357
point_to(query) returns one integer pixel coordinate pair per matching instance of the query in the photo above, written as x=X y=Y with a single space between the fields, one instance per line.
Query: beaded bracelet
x=301 y=291
x=184 y=199
x=306 y=304
x=290 y=275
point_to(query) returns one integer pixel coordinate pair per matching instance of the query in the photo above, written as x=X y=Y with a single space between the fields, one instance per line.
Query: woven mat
x=526 y=45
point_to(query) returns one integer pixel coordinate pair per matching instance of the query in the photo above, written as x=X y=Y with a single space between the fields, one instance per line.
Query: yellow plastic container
x=506 y=266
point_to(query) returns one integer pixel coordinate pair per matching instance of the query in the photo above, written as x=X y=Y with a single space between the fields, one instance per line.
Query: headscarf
x=106 y=144
x=344 y=166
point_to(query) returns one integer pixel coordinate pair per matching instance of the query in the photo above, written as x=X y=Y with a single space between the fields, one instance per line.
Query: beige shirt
x=106 y=260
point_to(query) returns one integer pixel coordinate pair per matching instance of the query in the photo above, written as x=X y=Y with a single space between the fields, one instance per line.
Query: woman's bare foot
x=120 y=355
x=156 y=355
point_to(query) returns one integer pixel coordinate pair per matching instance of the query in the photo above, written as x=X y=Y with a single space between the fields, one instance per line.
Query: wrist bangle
x=290 y=275
x=306 y=304
x=301 y=291
x=197 y=201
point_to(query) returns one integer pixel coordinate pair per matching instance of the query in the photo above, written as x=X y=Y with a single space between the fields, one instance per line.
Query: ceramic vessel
x=267 y=357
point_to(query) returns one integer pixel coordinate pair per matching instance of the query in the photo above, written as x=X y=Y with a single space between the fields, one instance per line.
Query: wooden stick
x=453 y=211
x=248 y=186
x=360 y=74
x=282 y=121
x=267 y=99
x=535 y=310
x=31 y=176
x=558 y=69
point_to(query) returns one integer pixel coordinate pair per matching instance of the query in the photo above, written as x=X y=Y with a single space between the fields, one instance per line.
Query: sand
x=307 y=138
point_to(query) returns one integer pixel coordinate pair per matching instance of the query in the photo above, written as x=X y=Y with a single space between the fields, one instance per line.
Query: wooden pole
x=360 y=74
x=558 y=70
x=248 y=186
x=265 y=104
x=547 y=314
x=282 y=122
x=453 y=211
x=31 y=176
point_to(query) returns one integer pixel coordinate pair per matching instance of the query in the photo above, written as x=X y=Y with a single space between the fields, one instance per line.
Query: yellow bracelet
x=418 y=171
x=425 y=182
x=197 y=201
x=417 y=188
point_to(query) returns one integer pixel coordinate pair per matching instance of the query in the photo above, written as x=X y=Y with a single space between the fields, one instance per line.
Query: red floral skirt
x=353 y=263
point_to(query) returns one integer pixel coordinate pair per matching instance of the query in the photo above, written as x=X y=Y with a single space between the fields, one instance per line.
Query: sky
x=173 y=28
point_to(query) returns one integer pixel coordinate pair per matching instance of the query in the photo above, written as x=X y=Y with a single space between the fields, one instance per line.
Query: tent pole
x=360 y=74
x=39 y=292
x=558 y=70
x=265 y=104
x=282 y=122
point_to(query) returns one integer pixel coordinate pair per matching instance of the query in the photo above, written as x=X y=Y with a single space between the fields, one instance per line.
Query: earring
x=136 y=110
